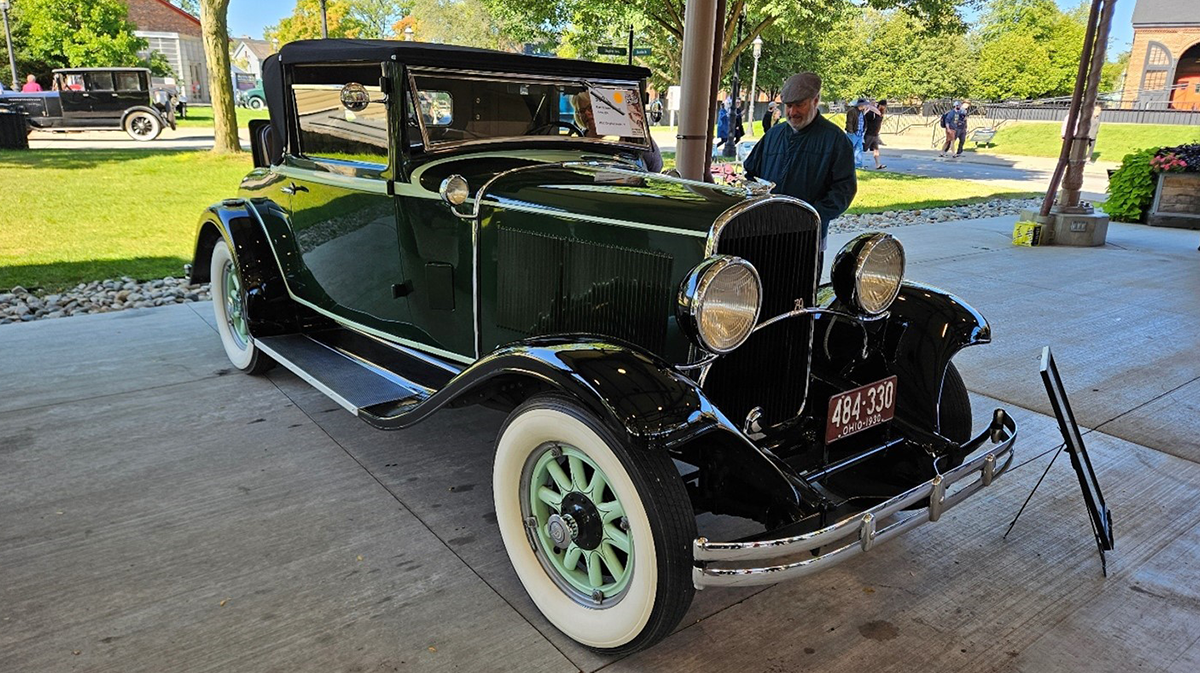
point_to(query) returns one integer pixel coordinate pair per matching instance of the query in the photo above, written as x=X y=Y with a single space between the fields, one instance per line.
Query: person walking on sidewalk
x=873 y=123
x=855 y=129
x=960 y=127
x=950 y=123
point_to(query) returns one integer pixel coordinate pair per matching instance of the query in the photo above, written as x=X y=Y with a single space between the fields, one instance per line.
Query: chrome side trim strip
x=371 y=185
x=859 y=532
x=381 y=335
x=597 y=220
x=299 y=371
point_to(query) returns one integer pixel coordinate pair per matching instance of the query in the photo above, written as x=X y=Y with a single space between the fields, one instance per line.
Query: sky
x=250 y=17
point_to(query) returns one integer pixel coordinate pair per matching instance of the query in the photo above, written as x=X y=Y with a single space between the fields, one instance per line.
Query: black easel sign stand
x=1101 y=517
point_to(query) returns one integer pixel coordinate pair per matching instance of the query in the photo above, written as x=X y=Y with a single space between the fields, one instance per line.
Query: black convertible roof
x=450 y=56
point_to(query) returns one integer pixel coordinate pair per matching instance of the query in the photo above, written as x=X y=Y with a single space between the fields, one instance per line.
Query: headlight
x=719 y=303
x=867 y=272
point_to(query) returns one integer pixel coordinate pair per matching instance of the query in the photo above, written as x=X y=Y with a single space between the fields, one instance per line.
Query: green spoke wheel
x=229 y=309
x=599 y=534
x=573 y=511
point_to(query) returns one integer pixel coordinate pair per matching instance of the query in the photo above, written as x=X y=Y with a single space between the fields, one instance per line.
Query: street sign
x=612 y=51
x=641 y=51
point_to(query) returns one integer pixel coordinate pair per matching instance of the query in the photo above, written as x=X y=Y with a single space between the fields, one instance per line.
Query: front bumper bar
x=722 y=564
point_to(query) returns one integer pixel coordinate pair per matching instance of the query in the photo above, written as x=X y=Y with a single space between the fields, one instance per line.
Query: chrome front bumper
x=722 y=564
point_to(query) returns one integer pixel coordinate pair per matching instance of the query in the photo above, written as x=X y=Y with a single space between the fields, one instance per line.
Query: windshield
x=451 y=108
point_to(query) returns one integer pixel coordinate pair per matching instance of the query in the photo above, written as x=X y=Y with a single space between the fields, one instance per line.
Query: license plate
x=864 y=407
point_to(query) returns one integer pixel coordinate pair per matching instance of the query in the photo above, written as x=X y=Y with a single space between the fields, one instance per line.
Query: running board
x=352 y=383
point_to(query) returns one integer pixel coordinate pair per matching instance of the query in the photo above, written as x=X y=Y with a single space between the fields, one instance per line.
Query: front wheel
x=143 y=126
x=255 y=103
x=599 y=533
x=229 y=309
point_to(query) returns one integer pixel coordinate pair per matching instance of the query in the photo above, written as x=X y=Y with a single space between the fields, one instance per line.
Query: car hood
x=592 y=188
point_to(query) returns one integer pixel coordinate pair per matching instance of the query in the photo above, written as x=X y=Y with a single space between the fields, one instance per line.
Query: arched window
x=1156 y=74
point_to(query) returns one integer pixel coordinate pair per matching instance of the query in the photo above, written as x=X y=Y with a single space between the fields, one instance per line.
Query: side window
x=129 y=81
x=328 y=130
x=99 y=81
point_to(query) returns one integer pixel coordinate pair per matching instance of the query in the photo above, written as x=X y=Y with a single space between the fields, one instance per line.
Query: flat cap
x=801 y=86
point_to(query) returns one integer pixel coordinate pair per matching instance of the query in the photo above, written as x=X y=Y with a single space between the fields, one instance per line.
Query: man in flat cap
x=809 y=157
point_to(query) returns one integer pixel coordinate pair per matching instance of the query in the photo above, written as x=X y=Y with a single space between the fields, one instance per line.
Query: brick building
x=176 y=34
x=1164 y=61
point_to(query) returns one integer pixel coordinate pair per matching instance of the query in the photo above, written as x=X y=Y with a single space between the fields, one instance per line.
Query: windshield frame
x=583 y=143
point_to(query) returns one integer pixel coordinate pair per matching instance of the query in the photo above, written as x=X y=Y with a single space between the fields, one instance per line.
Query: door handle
x=86 y=95
x=293 y=188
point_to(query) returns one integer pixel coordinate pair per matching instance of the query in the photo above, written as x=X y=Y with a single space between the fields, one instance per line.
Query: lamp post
x=735 y=86
x=324 y=22
x=408 y=33
x=12 y=63
x=757 y=44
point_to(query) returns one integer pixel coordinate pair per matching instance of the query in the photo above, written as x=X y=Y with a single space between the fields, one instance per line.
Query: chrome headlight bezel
x=861 y=261
x=698 y=284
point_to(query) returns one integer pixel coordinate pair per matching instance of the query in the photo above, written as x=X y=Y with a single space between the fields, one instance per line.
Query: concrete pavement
x=182 y=138
x=163 y=513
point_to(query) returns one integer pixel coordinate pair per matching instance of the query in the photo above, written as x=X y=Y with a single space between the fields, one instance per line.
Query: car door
x=132 y=89
x=102 y=99
x=75 y=98
x=342 y=216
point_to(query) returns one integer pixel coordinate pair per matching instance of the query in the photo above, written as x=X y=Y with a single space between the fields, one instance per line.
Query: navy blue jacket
x=814 y=164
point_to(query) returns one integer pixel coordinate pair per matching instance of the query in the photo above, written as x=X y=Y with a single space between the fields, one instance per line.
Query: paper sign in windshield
x=618 y=112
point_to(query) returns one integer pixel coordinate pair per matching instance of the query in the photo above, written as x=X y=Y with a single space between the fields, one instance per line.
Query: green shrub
x=1131 y=187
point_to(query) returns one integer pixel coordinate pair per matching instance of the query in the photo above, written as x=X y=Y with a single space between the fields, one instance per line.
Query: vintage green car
x=426 y=228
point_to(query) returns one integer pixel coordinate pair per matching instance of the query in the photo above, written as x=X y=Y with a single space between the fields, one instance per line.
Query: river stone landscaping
x=103 y=296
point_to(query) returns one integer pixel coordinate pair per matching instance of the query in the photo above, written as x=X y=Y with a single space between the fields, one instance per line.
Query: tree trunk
x=214 y=28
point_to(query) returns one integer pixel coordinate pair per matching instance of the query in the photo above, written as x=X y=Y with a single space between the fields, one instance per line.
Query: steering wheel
x=545 y=128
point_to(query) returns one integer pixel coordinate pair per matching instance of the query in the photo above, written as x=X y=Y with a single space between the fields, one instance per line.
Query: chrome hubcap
x=562 y=529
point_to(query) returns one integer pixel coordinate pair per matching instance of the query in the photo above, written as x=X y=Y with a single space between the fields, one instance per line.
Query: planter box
x=1176 y=201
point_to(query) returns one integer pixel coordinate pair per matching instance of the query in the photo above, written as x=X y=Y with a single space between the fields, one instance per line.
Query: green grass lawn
x=881 y=191
x=203 y=116
x=80 y=215
x=1042 y=139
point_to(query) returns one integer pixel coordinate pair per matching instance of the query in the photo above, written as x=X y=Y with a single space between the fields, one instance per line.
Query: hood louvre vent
x=549 y=284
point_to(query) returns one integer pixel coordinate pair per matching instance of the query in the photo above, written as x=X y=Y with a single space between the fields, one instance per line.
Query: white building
x=176 y=35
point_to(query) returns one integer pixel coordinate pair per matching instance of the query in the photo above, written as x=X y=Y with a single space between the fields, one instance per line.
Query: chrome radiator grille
x=781 y=239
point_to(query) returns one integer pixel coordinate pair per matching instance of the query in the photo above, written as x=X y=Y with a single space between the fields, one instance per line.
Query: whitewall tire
x=599 y=535
x=229 y=302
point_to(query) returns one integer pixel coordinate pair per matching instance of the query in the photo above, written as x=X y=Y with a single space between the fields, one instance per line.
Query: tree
x=305 y=22
x=584 y=22
x=214 y=29
x=1054 y=40
x=190 y=6
x=893 y=55
x=367 y=19
x=50 y=34
x=462 y=22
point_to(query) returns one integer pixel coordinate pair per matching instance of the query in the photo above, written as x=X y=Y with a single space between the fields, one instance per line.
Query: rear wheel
x=599 y=534
x=229 y=309
x=143 y=126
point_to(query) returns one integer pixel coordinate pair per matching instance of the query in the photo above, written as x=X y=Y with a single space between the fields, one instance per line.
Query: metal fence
x=1110 y=113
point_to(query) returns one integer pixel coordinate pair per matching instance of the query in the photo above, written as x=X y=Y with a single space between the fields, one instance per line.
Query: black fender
x=642 y=399
x=269 y=309
x=923 y=330
x=146 y=108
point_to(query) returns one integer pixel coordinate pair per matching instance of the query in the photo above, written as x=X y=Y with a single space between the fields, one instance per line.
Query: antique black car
x=99 y=98
x=424 y=230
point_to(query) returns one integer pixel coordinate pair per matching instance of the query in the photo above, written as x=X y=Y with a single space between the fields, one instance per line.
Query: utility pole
x=324 y=22
x=735 y=85
x=12 y=63
x=631 y=44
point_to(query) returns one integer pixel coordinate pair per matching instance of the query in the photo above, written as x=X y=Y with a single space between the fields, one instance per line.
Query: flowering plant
x=1168 y=163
